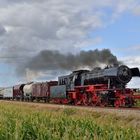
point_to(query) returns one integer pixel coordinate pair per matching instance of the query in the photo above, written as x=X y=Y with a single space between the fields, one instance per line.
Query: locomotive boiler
x=115 y=77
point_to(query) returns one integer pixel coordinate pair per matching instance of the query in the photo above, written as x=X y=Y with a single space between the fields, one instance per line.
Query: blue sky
x=26 y=28
x=120 y=35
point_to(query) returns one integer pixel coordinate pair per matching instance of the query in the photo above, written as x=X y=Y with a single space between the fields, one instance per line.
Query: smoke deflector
x=135 y=72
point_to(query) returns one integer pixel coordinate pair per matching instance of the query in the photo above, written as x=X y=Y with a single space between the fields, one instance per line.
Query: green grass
x=138 y=103
x=31 y=122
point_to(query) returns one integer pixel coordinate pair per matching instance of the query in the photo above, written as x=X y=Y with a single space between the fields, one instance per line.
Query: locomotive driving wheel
x=85 y=99
x=103 y=104
x=117 y=104
x=129 y=102
x=103 y=100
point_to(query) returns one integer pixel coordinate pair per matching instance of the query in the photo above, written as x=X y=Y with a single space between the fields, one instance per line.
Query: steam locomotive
x=97 y=87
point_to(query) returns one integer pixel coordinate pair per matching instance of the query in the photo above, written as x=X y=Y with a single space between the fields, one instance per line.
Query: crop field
x=32 y=122
x=138 y=103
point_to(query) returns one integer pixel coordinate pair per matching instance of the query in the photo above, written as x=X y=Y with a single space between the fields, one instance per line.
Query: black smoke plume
x=54 y=60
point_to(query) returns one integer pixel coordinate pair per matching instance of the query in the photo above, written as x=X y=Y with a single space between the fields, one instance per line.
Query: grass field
x=31 y=122
x=138 y=103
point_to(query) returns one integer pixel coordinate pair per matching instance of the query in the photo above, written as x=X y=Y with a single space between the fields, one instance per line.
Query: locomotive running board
x=136 y=96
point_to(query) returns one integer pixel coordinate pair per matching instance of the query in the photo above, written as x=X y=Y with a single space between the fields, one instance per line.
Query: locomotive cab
x=72 y=80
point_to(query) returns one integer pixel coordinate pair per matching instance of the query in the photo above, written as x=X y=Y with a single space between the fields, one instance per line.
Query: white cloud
x=27 y=27
x=132 y=61
x=54 y=24
x=135 y=48
x=122 y=6
x=88 y=43
x=136 y=10
x=2 y=30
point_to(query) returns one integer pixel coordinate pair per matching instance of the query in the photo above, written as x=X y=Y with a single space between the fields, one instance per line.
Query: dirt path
x=119 y=112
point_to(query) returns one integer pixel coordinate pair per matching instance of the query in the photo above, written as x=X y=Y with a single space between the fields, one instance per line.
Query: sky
x=28 y=27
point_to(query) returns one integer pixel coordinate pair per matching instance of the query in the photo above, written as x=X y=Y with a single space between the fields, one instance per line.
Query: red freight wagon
x=36 y=89
x=18 y=91
x=42 y=90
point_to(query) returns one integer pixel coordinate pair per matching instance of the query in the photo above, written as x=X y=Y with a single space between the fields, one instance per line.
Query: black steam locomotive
x=100 y=86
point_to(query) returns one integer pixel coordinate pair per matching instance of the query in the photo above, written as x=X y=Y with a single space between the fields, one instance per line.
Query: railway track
x=135 y=111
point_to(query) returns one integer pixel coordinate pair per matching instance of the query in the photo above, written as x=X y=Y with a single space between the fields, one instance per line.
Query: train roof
x=80 y=71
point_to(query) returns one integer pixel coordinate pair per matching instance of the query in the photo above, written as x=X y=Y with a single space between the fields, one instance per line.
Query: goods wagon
x=8 y=93
x=1 y=93
x=27 y=90
x=58 y=92
x=18 y=91
x=42 y=90
x=36 y=90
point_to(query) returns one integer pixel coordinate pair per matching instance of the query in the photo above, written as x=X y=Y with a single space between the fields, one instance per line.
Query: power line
x=9 y=57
